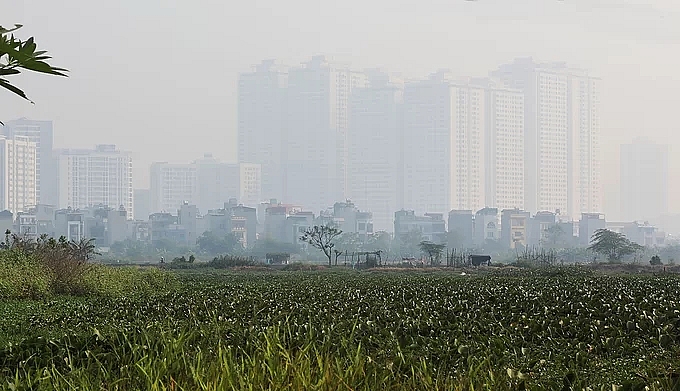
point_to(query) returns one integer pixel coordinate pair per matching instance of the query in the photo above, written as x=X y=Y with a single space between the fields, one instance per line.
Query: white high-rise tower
x=18 y=173
x=562 y=126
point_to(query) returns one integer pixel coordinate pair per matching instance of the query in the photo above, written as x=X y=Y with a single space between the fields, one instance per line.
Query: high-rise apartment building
x=171 y=186
x=374 y=148
x=41 y=134
x=18 y=174
x=443 y=145
x=206 y=183
x=261 y=123
x=218 y=182
x=644 y=180
x=101 y=176
x=462 y=145
x=504 y=150
x=562 y=126
x=468 y=146
x=315 y=154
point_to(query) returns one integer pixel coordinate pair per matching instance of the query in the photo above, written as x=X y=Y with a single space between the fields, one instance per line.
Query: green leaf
x=9 y=71
x=15 y=28
x=7 y=85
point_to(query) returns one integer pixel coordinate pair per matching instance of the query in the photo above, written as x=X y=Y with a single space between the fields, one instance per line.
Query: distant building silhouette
x=644 y=180
x=262 y=123
x=373 y=166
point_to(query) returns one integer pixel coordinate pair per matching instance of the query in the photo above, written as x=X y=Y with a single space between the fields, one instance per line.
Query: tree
x=213 y=244
x=409 y=243
x=349 y=241
x=322 y=237
x=433 y=251
x=655 y=261
x=612 y=245
x=17 y=55
x=262 y=247
x=379 y=241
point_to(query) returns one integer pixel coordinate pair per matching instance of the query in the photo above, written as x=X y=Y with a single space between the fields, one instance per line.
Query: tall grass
x=191 y=360
x=157 y=360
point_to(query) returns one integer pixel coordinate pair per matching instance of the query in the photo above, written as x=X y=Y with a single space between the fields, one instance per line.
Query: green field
x=366 y=330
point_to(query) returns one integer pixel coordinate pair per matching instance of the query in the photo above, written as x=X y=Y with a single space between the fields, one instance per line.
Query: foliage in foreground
x=34 y=269
x=17 y=55
x=365 y=330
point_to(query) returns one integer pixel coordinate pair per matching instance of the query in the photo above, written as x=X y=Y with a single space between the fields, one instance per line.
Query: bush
x=66 y=261
x=225 y=261
x=22 y=276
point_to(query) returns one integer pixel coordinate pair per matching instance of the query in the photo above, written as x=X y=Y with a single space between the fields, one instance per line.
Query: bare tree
x=323 y=238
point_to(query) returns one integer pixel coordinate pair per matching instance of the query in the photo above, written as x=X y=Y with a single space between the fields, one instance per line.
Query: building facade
x=41 y=134
x=18 y=173
x=431 y=226
x=504 y=149
x=317 y=117
x=589 y=223
x=101 y=176
x=218 y=182
x=487 y=227
x=261 y=123
x=461 y=228
x=562 y=128
x=515 y=228
x=172 y=185
x=374 y=148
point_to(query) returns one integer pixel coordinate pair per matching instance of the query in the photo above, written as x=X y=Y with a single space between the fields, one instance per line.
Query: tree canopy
x=433 y=251
x=612 y=245
x=214 y=244
x=17 y=55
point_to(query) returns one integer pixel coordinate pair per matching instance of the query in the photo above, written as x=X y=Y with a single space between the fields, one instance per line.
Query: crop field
x=553 y=330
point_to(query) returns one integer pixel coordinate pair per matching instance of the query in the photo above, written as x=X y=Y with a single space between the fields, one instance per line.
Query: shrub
x=66 y=261
x=225 y=261
x=22 y=276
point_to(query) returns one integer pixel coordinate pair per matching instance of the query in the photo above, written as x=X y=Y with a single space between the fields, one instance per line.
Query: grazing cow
x=478 y=260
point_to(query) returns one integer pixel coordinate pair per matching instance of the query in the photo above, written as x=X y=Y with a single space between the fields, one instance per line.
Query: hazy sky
x=158 y=77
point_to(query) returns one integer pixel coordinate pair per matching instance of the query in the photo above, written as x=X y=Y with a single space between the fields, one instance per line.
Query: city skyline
x=482 y=189
x=629 y=43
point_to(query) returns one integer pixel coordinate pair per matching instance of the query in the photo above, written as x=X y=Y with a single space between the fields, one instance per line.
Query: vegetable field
x=564 y=329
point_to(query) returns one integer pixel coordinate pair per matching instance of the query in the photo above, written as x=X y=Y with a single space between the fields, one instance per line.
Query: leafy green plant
x=539 y=329
x=17 y=55
x=22 y=276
